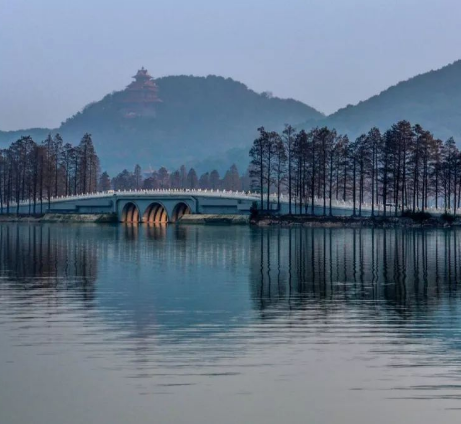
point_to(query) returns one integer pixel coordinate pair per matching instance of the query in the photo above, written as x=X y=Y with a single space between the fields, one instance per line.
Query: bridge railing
x=159 y=192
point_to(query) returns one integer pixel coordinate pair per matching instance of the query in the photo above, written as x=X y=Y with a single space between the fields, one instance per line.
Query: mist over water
x=228 y=324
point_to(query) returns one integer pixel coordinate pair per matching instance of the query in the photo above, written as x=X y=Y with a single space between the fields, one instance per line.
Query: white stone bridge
x=156 y=206
x=161 y=206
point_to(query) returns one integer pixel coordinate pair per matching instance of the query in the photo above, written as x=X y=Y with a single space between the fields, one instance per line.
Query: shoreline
x=286 y=221
x=310 y=221
x=193 y=219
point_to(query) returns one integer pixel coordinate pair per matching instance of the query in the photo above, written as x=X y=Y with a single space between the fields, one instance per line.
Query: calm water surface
x=122 y=324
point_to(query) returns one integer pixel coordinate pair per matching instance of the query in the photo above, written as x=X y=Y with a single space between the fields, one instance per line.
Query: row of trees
x=179 y=179
x=39 y=171
x=404 y=168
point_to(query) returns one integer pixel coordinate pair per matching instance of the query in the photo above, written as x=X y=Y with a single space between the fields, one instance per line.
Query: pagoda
x=141 y=95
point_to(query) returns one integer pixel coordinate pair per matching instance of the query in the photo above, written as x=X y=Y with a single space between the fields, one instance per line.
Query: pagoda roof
x=142 y=73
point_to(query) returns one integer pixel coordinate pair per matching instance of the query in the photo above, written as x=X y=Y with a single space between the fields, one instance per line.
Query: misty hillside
x=211 y=121
x=197 y=118
x=432 y=99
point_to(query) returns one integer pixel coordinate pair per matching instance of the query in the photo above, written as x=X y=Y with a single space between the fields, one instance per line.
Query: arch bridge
x=169 y=206
x=146 y=206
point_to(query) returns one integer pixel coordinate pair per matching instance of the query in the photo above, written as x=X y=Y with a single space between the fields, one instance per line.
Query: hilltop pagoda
x=141 y=95
x=143 y=89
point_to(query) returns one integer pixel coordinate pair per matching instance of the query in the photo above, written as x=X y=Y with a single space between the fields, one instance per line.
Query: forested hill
x=211 y=121
x=197 y=118
x=432 y=99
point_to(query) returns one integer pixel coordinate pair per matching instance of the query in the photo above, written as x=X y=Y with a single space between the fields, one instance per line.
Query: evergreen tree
x=192 y=180
x=204 y=181
x=258 y=168
x=215 y=180
x=175 y=180
x=137 y=177
x=231 y=180
x=163 y=178
x=289 y=135
x=183 y=176
x=104 y=182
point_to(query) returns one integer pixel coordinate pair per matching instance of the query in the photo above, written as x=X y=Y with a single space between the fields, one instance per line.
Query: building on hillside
x=140 y=96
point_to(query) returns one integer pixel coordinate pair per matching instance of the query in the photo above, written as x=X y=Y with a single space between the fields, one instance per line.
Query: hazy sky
x=56 y=56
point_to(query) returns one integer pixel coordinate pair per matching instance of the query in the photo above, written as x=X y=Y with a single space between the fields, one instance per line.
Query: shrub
x=254 y=210
x=416 y=216
x=448 y=217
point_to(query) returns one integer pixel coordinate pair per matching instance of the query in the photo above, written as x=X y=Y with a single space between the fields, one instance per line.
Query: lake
x=221 y=324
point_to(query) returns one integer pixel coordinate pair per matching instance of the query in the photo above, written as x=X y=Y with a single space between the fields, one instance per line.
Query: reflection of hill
x=177 y=280
x=224 y=312
x=143 y=280
x=192 y=283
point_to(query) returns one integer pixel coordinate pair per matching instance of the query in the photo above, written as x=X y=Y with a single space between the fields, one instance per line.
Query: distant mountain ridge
x=432 y=99
x=197 y=118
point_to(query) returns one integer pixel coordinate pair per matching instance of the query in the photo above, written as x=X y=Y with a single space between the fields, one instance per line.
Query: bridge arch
x=155 y=214
x=130 y=213
x=179 y=211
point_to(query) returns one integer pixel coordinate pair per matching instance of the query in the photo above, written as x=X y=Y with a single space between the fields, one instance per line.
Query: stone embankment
x=215 y=219
x=56 y=217
x=107 y=218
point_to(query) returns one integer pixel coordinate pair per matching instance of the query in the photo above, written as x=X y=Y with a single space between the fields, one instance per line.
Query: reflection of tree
x=42 y=256
x=396 y=265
